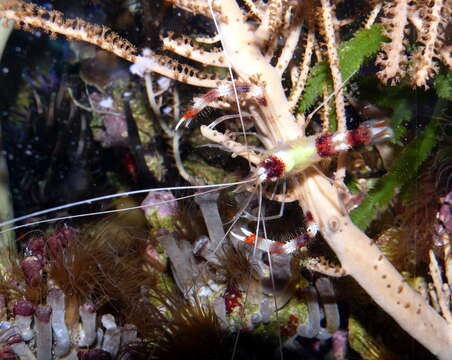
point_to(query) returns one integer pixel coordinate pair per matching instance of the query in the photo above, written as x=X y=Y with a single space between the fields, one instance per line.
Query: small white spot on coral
x=167 y=110
x=204 y=291
x=143 y=64
x=163 y=82
x=106 y=103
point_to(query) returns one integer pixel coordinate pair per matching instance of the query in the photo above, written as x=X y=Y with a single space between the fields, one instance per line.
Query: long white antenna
x=334 y=93
x=112 y=196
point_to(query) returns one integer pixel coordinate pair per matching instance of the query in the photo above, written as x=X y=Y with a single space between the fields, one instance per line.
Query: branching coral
x=430 y=18
x=431 y=37
x=393 y=58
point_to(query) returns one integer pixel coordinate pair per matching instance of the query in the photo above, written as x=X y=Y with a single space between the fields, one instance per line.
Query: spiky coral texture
x=358 y=254
x=430 y=19
x=425 y=60
x=393 y=58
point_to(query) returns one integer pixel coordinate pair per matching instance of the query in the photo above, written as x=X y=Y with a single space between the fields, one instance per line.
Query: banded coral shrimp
x=271 y=166
x=275 y=118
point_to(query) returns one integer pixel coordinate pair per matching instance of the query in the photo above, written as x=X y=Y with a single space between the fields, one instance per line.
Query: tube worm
x=23 y=311
x=20 y=348
x=43 y=330
x=328 y=298
x=311 y=328
x=32 y=269
x=88 y=332
x=112 y=336
x=2 y=307
x=6 y=331
x=55 y=299
x=128 y=334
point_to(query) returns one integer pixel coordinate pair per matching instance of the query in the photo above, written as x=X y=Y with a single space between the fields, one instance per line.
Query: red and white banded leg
x=276 y=247
x=223 y=91
x=368 y=133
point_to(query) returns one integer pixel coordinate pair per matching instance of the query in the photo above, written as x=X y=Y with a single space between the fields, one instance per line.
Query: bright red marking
x=324 y=145
x=291 y=328
x=359 y=136
x=190 y=114
x=380 y=123
x=15 y=339
x=250 y=239
x=274 y=167
x=232 y=298
x=129 y=162
x=308 y=217
x=276 y=248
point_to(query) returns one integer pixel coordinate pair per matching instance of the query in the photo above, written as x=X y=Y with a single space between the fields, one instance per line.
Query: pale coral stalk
x=328 y=18
x=254 y=10
x=184 y=46
x=196 y=7
x=270 y=21
x=30 y=16
x=292 y=38
x=361 y=258
x=235 y=147
x=322 y=266
x=303 y=70
x=373 y=15
x=54 y=22
x=248 y=61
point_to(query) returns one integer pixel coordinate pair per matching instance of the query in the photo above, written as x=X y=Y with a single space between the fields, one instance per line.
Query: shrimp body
x=295 y=156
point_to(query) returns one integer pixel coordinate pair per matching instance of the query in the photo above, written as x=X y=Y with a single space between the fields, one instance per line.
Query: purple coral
x=162 y=201
x=32 y=269
x=23 y=311
x=115 y=124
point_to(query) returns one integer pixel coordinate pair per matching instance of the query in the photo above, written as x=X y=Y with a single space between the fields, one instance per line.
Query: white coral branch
x=393 y=58
x=303 y=70
x=362 y=259
x=425 y=59
x=373 y=15
x=328 y=19
x=195 y=7
x=184 y=46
